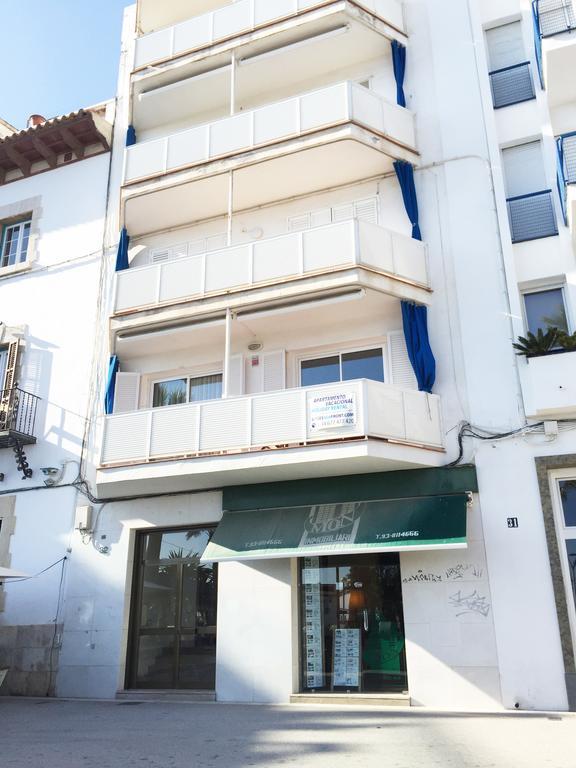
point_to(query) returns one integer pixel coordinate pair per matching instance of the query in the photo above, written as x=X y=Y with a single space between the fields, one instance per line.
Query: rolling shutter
x=127 y=393
x=274 y=371
x=402 y=373
x=505 y=46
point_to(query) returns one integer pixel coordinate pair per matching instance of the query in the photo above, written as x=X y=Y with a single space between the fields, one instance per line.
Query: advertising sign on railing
x=332 y=411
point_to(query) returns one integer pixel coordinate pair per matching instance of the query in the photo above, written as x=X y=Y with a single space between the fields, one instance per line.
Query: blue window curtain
x=415 y=321
x=405 y=174
x=111 y=385
x=538 y=40
x=399 y=64
x=122 y=254
x=561 y=178
x=130 y=136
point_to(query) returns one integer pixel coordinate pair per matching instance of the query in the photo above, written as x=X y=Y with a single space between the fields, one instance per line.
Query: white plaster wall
x=451 y=650
x=96 y=610
x=254 y=646
x=55 y=301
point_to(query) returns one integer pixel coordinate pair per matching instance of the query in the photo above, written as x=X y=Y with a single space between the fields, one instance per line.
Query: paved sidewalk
x=43 y=733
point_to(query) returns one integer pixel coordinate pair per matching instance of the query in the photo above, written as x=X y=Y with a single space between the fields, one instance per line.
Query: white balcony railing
x=239 y=18
x=298 y=254
x=283 y=120
x=291 y=417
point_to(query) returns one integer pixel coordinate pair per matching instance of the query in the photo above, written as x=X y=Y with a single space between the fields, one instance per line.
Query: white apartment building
x=318 y=468
x=53 y=190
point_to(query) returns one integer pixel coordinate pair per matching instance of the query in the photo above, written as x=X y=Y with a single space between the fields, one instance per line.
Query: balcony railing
x=17 y=416
x=566 y=146
x=512 y=85
x=288 y=418
x=239 y=18
x=532 y=216
x=298 y=254
x=275 y=122
x=556 y=17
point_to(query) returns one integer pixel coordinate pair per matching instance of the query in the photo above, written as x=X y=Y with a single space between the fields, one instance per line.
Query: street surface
x=43 y=733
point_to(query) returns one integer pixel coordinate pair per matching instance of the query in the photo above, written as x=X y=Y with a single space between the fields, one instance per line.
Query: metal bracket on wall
x=21 y=460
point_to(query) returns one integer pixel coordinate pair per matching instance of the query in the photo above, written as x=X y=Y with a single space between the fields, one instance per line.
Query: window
x=191 y=389
x=3 y=362
x=363 y=364
x=545 y=309
x=510 y=76
x=15 y=239
x=565 y=515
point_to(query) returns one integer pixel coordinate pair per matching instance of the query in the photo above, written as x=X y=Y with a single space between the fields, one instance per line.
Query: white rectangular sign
x=332 y=411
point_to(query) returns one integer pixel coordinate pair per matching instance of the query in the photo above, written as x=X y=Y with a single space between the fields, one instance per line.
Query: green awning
x=391 y=525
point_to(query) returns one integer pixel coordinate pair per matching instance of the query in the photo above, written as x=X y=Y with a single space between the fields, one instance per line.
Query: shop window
x=565 y=516
x=346 y=366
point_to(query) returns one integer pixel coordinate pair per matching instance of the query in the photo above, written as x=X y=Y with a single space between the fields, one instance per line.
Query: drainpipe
x=227 y=346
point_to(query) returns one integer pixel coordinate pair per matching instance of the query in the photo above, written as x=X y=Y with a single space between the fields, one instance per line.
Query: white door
x=505 y=46
x=524 y=171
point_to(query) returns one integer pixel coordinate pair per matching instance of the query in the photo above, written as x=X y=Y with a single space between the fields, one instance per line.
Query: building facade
x=53 y=189
x=317 y=467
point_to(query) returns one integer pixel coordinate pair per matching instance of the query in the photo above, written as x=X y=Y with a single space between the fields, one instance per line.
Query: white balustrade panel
x=349 y=243
x=237 y=18
x=276 y=419
x=274 y=122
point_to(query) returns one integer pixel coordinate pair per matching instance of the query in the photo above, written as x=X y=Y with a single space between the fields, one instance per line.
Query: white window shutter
x=11 y=366
x=127 y=392
x=159 y=254
x=321 y=217
x=299 y=223
x=505 y=46
x=524 y=170
x=402 y=373
x=216 y=242
x=367 y=210
x=274 y=370
x=236 y=384
x=343 y=212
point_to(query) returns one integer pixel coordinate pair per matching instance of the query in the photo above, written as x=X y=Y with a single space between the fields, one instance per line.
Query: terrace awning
x=392 y=525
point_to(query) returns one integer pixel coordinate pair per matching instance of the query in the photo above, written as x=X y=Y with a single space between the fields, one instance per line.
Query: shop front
x=342 y=540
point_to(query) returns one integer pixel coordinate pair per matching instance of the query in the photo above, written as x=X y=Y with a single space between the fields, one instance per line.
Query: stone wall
x=31 y=655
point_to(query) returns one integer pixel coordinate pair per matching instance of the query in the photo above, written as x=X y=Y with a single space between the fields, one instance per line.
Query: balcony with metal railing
x=555 y=32
x=17 y=417
x=348 y=252
x=512 y=85
x=532 y=216
x=320 y=139
x=566 y=147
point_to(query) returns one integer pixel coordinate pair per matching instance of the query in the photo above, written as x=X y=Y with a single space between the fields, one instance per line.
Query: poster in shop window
x=346 y=658
x=314 y=647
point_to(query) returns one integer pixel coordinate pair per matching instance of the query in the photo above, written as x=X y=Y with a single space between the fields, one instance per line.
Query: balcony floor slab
x=211 y=472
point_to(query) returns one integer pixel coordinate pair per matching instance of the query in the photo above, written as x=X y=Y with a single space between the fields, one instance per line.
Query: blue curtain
x=538 y=41
x=405 y=174
x=415 y=321
x=130 y=136
x=399 y=64
x=122 y=254
x=111 y=385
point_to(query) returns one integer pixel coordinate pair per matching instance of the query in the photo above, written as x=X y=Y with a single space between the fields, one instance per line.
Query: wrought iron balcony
x=512 y=85
x=17 y=417
x=532 y=216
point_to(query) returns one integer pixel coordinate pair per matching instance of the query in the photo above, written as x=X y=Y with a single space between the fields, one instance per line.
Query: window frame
x=543 y=289
x=564 y=533
x=339 y=351
x=7 y=225
x=188 y=377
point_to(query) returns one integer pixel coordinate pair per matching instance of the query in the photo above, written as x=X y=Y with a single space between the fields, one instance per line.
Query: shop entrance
x=352 y=624
x=173 y=623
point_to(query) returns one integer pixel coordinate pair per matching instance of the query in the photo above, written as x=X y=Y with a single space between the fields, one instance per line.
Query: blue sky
x=57 y=55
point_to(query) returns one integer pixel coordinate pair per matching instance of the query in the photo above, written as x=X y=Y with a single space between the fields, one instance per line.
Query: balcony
x=512 y=85
x=532 y=216
x=330 y=251
x=17 y=417
x=557 y=24
x=241 y=18
x=566 y=146
x=325 y=138
x=551 y=386
x=354 y=426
